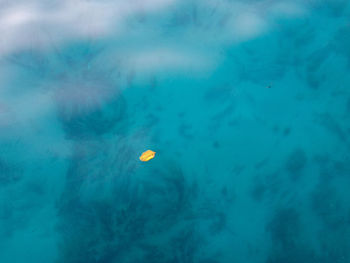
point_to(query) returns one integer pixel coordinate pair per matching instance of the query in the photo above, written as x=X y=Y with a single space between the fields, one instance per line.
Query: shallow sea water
x=246 y=104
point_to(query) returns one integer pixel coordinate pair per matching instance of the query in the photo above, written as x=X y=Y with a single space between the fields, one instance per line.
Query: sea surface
x=245 y=102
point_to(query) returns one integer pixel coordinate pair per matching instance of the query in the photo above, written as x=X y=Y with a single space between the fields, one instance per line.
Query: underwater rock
x=325 y=203
x=296 y=163
x=334 y=126
x=286 y=131
x=118 y=225
x=185 y=131
x=9 y=173
x=89 y=108
x=341 y=42
x=270 y=187
x=311 y=67
x=136 y=214
x=285 y=227
x=294 y=255
x=333 y=8
x=30 y=60
x=258 y=191
x=260 y=64
x=216 y=144
x=219 y=94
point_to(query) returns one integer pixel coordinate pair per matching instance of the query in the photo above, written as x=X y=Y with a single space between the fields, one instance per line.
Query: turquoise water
x=246 y=104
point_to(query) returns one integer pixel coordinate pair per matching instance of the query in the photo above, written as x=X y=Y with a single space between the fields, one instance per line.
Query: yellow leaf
x=147 y=155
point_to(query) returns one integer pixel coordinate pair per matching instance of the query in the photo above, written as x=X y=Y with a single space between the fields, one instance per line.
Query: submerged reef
x=86 y=93
x=151 y=220
x=88 y=98
x=287 y=234
x=89 y=108
x=9 y=173
x=245 y=102
x=285 y=227
x=296 y=163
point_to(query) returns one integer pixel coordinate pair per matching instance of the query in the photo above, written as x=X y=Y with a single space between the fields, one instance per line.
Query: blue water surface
x=245 y=102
